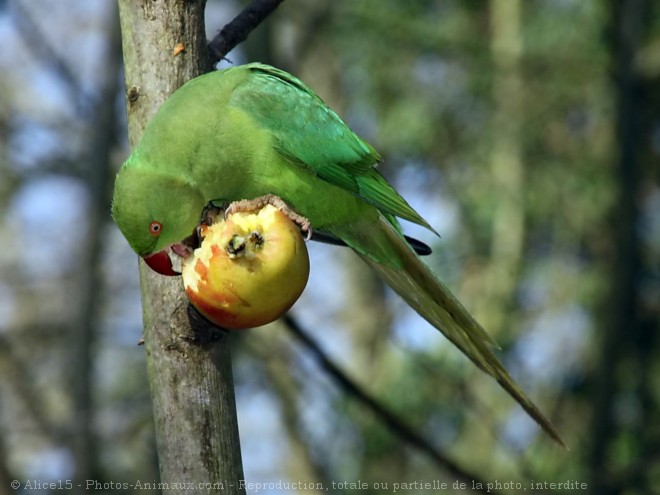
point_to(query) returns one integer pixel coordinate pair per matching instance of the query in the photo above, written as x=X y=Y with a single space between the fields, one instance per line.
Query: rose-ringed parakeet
x=252 y=131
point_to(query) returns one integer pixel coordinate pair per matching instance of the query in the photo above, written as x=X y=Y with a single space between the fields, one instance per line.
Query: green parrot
x=255 y=131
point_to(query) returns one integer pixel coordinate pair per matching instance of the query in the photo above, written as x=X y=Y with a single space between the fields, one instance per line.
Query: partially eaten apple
x=249 y=270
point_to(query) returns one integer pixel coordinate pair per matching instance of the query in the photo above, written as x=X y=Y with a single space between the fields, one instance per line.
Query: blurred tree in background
x=527 y=132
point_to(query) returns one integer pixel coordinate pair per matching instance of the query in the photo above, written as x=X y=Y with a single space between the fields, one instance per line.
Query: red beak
x=160 y=262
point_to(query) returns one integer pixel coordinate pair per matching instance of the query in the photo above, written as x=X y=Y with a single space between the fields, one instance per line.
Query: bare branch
x=394 y=423
x=238 y=30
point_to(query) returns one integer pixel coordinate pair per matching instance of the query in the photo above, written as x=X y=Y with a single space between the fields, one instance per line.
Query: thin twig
x=238 y=30
x=396 y=424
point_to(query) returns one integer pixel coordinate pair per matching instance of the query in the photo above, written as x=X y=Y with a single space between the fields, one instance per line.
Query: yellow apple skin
x=249 y=269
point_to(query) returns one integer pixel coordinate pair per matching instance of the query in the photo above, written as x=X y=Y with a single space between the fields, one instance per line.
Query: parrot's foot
x=270 y=199
x=210 y=213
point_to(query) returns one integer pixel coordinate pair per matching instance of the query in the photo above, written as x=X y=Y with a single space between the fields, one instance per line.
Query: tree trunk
x=623 y=334
x=189 y=365
x=506 y=163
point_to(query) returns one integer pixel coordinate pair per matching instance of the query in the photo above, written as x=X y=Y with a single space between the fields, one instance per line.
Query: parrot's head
x=155 y=212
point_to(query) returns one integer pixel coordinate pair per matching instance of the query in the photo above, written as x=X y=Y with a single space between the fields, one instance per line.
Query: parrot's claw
x=270 y=199
x=209 y=216
x=210 y=213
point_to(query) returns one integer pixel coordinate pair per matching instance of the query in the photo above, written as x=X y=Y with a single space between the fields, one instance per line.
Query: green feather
x=253 y=130
x=309 y=134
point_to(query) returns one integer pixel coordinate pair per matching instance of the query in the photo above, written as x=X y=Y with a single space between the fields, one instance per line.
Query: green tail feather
x=417 y=285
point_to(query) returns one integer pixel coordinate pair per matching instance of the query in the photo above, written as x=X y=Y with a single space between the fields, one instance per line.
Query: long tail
x=423 y=291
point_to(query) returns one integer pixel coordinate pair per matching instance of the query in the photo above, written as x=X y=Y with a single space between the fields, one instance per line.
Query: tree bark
x=188 y=361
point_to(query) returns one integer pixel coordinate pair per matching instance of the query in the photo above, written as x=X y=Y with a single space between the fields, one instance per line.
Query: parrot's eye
x=155 y=228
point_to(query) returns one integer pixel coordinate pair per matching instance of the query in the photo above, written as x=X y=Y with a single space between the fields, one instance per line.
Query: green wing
x=309 y=134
